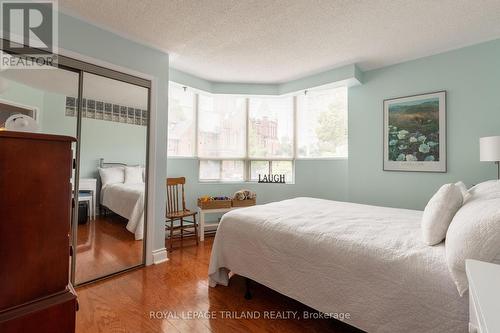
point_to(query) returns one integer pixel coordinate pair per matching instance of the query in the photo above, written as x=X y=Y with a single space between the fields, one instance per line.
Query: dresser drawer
x=55 y=314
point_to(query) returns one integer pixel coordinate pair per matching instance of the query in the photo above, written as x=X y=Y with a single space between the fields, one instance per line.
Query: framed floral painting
x=415 y=133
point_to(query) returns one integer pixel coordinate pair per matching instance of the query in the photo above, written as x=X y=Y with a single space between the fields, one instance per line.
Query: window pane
x=233 y=170
x=181 y=121
x=209 y=170
x=322 y=116
x=221 y=126
x=226 y=170
x=258 y=167
x=283 y=168
x=271 y=127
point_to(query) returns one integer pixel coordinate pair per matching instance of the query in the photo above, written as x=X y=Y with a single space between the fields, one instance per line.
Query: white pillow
x=474 y=232
x=133 y=175
x=490 y=188
x=111 y=175
x=463 y=189
x=439 y=212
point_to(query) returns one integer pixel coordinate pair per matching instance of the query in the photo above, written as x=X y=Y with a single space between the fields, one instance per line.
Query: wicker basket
x=214 y=204
x=243 y=203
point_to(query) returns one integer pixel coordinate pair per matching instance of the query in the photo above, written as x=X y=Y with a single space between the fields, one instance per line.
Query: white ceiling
x=272 y=41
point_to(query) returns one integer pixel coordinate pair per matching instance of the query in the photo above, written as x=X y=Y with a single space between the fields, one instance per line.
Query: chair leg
x=171 y=235
x=182 y=228
x=195 y=229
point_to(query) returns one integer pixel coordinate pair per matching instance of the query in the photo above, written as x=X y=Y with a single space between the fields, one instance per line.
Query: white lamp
x=490 y=150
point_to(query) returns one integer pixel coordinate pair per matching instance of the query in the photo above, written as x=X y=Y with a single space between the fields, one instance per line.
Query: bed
x=123 y=198
x=126 y=200
x=339 y=258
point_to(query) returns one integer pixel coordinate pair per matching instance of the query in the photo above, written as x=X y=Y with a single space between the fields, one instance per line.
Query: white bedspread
x=339 y=257
x=126 y=200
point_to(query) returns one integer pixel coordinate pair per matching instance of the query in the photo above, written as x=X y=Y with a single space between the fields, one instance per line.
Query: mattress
x=343 y=258
x=126 y=200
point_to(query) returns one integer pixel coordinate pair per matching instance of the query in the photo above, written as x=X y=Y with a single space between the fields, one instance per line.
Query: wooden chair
x=174 y=212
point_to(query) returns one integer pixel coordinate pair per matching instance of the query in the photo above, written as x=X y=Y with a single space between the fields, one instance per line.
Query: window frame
x=294 y=129
x=245 y=128
x=200 y=160
x=194 y=154
x=270 y=168
x=321 y=158
x=247 y=163
x=246 y=159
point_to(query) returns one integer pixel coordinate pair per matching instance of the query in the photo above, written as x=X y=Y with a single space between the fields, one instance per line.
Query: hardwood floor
x=105 y=246
x=171 y=297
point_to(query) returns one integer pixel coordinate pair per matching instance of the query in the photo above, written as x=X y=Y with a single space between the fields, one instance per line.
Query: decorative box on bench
x=214 y=204
x=243 y=203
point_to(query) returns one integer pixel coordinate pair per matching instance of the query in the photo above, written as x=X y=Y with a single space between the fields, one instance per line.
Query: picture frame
x=415 y=133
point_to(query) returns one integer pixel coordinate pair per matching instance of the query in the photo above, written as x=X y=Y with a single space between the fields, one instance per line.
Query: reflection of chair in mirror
x=176 y=214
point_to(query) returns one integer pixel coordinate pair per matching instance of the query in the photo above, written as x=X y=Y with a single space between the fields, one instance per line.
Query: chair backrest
x=173 y=193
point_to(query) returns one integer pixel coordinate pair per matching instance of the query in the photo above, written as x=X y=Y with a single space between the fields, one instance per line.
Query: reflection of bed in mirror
x=122 y=192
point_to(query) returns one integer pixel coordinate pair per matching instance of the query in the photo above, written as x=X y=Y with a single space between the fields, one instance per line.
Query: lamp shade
x=489 y=148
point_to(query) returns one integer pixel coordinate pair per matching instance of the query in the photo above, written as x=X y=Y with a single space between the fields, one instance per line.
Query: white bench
x=202 y=226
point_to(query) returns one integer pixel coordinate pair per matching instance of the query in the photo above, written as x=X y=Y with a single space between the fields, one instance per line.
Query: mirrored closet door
x=108 y=113
x=112 y=176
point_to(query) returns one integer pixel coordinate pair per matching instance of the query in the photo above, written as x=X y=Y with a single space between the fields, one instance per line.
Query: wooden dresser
x=35 y=215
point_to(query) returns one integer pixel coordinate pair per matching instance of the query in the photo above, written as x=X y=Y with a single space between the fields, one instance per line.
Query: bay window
x=238 y=138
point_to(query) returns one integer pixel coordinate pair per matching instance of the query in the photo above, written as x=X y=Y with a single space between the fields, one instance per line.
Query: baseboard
x=160 y=256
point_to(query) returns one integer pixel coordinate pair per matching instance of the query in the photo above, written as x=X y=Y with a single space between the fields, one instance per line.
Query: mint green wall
x=349 y=75
x=54 y=119
x=471 y=77
x=323 y=179
x=22 y=94
x=115 y=142
x=86 y=39
x=189 y=80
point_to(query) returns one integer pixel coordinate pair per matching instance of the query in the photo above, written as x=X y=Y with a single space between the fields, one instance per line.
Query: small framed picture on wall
x=415 y=133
